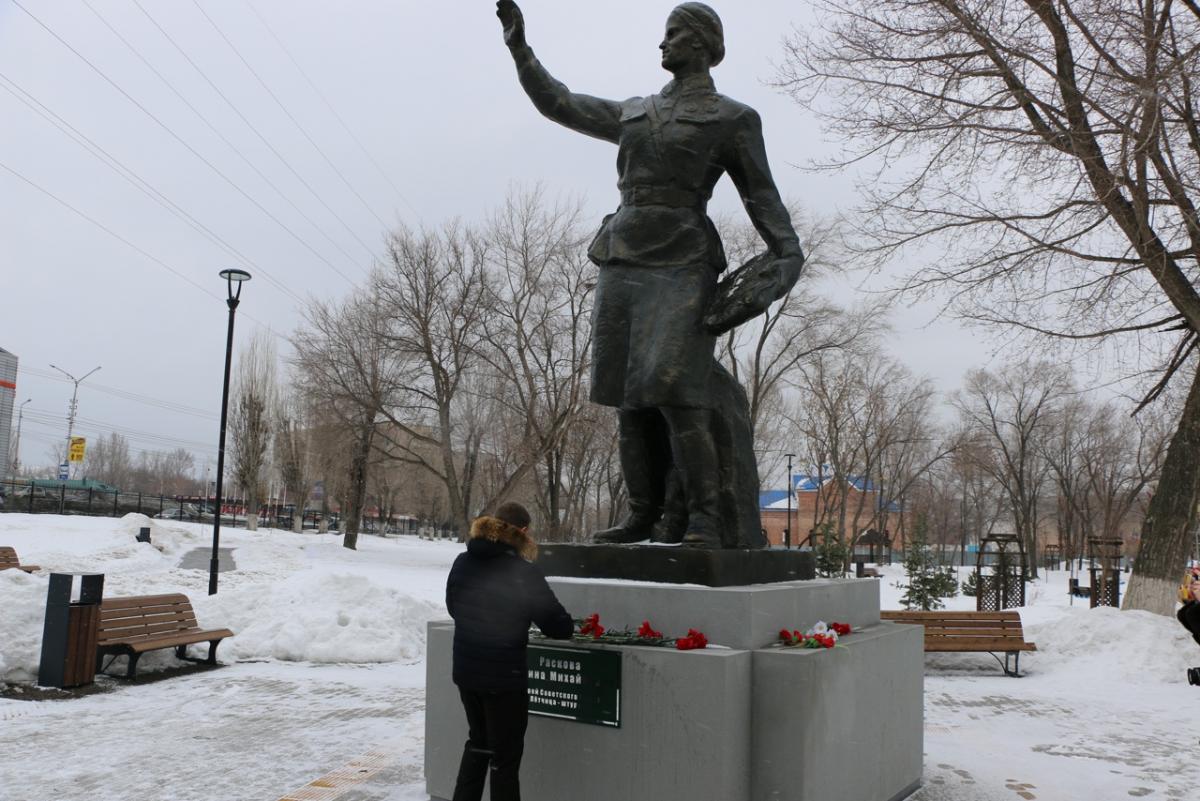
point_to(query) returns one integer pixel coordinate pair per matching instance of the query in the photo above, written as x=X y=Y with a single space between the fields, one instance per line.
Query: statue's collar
x=693 y=84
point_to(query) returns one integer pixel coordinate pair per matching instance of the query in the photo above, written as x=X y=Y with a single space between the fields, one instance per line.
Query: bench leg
x=181 y=652
x=1016 y=664
x=212 y=651
x=131 y=673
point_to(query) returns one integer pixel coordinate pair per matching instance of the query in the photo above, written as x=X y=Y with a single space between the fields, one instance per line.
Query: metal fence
x=45 y=497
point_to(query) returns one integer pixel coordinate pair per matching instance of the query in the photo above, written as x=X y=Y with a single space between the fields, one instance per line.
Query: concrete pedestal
x=750 y=721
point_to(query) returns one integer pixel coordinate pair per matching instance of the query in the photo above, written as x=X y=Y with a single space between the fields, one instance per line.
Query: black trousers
x=496 y=724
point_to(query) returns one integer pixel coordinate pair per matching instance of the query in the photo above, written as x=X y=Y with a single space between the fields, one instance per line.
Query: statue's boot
x=636 y=527
x=644 y=456
x=695 y=456
x=673 y=525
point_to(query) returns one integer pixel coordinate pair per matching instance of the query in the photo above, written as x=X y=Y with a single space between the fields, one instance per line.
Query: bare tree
x=353 y=377
x=434 y=292
x=109 y=460
x=868 y=430
x=1013 y=412
x=1048 y=150
x=250 y=421
x=536 y=339
x=1103 y=468
x=293 y=453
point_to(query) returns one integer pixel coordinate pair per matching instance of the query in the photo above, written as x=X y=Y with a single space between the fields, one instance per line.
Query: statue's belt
x=663 y=196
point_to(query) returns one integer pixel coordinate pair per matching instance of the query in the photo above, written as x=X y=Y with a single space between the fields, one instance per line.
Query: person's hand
x=513 y=22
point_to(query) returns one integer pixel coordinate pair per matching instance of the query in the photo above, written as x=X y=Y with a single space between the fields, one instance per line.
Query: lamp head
x=235 y=276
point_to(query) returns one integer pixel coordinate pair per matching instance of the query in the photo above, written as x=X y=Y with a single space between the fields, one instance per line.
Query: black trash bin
x=71 y=630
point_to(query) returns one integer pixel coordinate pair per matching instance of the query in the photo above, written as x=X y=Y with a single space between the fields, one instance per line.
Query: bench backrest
x=144 y=616
x=961 y=624
x=8 y=557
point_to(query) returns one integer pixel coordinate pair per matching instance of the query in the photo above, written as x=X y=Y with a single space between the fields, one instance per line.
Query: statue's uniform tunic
x=659 y=253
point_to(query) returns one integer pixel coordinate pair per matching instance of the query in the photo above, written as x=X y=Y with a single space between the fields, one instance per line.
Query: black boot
x=695 y=460
x=645 y=457
x=673 y=526
x=472 y=773
x=634 y=528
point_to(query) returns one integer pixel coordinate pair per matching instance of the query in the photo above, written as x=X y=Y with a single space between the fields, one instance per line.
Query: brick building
x=814 y=499
x=8 y=397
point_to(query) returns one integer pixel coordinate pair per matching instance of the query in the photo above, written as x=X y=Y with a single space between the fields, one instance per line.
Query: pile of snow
x=292 y=597
x=322 y=618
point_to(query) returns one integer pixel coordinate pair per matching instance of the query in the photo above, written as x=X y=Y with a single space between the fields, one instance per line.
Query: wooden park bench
x=8 y=558
x=984 y=632
x=133 y=625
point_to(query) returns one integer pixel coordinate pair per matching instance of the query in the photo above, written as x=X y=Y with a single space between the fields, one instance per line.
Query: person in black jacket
x=494 y=592
x=1189 y=594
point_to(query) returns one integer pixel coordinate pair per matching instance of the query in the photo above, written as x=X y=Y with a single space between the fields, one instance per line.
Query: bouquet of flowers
x=821 y=635
x=591 y=630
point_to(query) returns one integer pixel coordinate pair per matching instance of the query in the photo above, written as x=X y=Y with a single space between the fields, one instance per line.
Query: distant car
x=186 y=511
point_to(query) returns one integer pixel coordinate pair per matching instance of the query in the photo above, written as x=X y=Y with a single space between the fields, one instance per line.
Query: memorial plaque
x=579 y=684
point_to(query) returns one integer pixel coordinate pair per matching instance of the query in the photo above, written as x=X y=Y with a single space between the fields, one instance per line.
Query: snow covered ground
x=327 y=666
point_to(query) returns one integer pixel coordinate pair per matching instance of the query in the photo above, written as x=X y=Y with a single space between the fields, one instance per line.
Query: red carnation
x=646 y=631
x=842 y=629
x=591 y=625
x=693 y=640
x=786 y=636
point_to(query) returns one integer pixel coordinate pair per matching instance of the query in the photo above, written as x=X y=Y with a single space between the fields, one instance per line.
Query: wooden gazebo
x=1000 y=570
x=1052 y=556
x=872 y=546
x=1104 y=570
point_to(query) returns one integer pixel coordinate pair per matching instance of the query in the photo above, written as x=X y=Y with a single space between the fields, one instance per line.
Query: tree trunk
x=252 y=512
x=358 y=486
x=1166 y=531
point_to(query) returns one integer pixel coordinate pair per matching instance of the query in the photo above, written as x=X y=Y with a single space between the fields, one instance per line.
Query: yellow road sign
x=78 y=447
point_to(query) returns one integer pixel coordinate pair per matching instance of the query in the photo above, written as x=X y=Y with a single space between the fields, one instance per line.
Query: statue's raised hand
x=513 y=21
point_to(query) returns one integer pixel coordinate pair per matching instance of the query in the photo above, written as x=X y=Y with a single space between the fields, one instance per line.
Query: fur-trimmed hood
x=493 y=529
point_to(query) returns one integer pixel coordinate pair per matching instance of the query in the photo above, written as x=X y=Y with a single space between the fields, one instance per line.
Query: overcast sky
x=413 y=114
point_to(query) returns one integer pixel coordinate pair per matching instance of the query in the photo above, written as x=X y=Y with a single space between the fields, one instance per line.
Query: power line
x=55 y=422
x=286 y=198
x=133 y=396
x=125 y=241
x=55 y=441
x=109 y=231
x=332 y=110
x=266 y=142
x=181 y=141
x=289 y=114
x=139 y=183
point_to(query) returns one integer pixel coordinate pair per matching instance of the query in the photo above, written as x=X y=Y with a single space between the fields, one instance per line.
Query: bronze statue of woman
x=654 y=322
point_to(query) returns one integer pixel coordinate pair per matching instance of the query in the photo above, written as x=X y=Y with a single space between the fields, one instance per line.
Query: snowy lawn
x=326 y=665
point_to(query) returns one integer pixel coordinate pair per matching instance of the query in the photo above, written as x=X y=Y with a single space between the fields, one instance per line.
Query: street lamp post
x=16 y=460
x=74 y=404
x=233 y=280
x=790 y=489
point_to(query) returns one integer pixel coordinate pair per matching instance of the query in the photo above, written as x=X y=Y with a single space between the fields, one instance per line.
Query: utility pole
x=16 y=460
x=74 y=402
x=790 y=490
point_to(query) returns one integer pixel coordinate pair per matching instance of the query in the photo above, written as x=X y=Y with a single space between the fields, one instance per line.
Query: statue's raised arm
x=590 y=115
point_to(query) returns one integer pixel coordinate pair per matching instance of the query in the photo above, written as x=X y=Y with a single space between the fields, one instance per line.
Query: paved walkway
x=199 y=559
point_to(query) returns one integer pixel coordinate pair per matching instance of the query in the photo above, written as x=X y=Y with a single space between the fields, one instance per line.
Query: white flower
x=818 y=628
